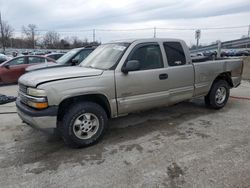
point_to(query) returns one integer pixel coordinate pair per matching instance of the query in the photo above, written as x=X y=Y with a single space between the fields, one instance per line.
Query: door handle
x=163 y=76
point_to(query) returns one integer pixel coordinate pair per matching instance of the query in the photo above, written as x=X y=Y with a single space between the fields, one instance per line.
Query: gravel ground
x=185 y=145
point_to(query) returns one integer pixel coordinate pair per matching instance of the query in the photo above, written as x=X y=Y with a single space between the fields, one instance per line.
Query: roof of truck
x=147 y=40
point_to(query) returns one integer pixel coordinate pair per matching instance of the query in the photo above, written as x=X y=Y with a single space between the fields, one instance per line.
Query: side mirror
x=131 y=65
x=7 y=66
x=74 y=62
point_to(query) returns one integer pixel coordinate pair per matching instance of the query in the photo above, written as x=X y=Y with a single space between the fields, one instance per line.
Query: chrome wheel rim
x=85 y=126
x=221 y=94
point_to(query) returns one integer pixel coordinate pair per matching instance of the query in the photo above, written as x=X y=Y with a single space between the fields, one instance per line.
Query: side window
x=18 y=61
x=175 y=53
x=82 y=55
x=36 y=60
x=149 y=56
x=53 y=56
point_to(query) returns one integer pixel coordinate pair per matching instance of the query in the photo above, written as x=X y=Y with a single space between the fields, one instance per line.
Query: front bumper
x=41 y=119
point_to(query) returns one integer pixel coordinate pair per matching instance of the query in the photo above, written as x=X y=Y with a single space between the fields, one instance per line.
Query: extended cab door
x=144 y=88
x=180 y=71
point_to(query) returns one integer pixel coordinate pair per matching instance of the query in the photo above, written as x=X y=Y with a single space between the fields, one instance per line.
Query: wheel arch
x=224 y=76
x=100 y=99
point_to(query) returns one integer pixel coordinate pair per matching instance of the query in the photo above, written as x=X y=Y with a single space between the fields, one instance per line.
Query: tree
x=65 y=43
x=76 y=42
x=6 y=32
x=30 y=32
x=51 y=40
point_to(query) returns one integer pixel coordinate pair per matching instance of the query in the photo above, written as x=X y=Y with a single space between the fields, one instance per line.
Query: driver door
x=145 y=88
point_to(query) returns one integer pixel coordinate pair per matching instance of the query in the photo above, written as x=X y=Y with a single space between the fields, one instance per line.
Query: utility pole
x=248 y=35
x=2 y=33
x=197 y=37
x=93 y=35
x=154 y=32
x=218 y=49
x=33 y=38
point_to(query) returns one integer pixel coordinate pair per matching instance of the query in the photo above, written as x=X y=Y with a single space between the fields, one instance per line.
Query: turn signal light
x=40 y=105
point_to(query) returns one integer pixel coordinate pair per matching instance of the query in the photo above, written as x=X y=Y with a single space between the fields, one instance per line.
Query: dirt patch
x=174 y=171
x=175 y=176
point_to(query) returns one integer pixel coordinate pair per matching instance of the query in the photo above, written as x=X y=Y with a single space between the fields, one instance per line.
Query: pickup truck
x=119 y=78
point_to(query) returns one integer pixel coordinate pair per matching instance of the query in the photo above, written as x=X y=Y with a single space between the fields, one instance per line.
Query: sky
x=121 y=19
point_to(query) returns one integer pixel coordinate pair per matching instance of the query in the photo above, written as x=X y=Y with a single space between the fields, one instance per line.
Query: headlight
x=36 y=92
x=36 y=98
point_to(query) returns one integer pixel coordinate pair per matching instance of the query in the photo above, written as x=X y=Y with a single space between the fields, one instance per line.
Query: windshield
x=66 y=57
x=105 y=56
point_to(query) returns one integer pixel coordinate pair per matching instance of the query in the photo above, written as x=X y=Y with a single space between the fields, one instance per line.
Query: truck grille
x=23 y=88
x=22 y=92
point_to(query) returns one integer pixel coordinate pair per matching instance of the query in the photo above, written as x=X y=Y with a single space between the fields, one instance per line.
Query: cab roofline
x=145 y=40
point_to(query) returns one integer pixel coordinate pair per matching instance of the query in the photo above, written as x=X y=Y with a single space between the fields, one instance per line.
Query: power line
x=61 y=31
x=204 y=28
x=141 y=29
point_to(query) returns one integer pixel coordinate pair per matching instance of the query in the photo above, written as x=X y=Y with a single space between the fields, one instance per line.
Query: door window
x=175 y=53
x=17 y=61
x=149 y=56
x=36 y=60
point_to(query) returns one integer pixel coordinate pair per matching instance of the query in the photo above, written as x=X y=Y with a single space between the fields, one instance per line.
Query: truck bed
x=207 y=71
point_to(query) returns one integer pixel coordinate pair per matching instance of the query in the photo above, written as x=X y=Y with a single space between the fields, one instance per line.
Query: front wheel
x=83 y=124
x=218 y=95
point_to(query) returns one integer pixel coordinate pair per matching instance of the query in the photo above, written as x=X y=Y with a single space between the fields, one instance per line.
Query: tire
x=207 y=101
x=83 y=124
x=218 y=95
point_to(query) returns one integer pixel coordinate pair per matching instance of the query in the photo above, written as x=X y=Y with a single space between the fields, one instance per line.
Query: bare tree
x=30 y=32
x=51 y=39
x=76 y=42
x=6 y=32
x=64 y=43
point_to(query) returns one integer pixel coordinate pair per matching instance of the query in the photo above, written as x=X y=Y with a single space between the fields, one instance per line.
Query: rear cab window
x=175 y=53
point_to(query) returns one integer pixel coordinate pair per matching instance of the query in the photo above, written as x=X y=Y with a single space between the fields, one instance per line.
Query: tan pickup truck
x=119 y=78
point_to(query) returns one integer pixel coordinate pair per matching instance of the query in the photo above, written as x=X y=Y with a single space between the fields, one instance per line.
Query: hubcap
x=85 y=125
x=220 y=95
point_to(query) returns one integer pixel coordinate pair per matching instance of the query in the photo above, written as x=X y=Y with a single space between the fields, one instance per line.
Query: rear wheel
x=218 y=95
x=84 y=124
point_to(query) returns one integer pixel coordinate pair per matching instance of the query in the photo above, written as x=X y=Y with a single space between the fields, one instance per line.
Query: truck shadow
x=50 y=154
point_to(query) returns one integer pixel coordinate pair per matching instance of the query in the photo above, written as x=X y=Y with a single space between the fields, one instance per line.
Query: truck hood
x=34 y=78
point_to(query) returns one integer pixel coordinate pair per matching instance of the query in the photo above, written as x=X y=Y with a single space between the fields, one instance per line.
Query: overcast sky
x=72 y=17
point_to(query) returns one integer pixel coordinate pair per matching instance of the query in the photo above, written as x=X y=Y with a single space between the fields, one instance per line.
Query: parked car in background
x=212 y=54
x=12 y=69
x=231 y=52
x=3 y=58
x=54 y=56
x=242 y=53
x=71 y=58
